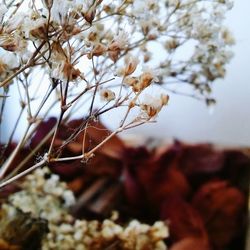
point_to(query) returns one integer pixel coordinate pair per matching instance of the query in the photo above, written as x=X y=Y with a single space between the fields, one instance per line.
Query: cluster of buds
x=153 y=105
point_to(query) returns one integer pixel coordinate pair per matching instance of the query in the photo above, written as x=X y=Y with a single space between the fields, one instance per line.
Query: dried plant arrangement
x=68 y=53
x=90 y=58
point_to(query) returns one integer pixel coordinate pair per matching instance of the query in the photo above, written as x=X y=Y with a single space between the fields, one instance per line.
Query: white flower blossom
x=152 y=105
x=60 y=9
x=107 y=95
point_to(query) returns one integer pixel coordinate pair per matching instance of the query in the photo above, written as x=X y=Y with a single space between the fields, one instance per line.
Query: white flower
x=9 y=59
x=139 y=7
x=159 y=230
x=229 y=4
x=131 y=63
x=59 y=10
x=69 y=198
x=121 y=39
x=107 y=95
x=152 y=105
x=227 y=36
x=153 y=73
x=30 y=26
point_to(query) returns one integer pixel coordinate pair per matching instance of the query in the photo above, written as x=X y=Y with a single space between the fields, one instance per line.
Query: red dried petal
x=184 y=220
x=114 y=147
x=221 y=206
x=133 y=190
x=171 y=182
x=201 y=158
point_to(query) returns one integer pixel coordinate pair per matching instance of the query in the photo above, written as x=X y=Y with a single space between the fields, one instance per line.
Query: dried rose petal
x=170 y=182
x=201 y=158
x=67 y=170
x=133 y=190
x=222 y=208
x=114 y=147
x=184 y=220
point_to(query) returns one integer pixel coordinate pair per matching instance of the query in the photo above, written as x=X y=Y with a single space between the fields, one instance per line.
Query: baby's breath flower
x=35 y=28
x=131 y=81
x=145 y=79
x=171 y=44
x=98 y=50
x=60 y=9
x=228 y=3
x=131 y=64
x=107 y=95
x=64 y=71
x=227 y=36
x=152 y=105
x=121 y=40
x=12 y=42
x=8 y=59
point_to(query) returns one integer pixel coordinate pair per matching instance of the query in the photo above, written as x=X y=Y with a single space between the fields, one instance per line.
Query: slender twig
x=25 y=172
x=31 y=154
x=11 y=158
x=90 y=153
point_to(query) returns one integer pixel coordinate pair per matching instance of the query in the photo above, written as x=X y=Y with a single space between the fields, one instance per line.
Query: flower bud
x=107 y=95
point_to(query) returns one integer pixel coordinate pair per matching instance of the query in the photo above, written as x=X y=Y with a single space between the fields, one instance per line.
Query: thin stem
x=95 y=90
x=25 y=172
x=89 y=153
x=11 y=158
x=55 y=132
x=32 y=153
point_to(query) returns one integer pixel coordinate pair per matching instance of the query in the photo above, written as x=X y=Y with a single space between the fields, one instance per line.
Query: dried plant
x=94 y=56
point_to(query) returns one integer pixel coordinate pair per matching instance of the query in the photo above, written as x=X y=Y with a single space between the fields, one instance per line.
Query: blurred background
x=227 y=123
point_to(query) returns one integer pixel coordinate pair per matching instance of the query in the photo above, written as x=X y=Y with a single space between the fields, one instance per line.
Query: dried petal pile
x=200 y=191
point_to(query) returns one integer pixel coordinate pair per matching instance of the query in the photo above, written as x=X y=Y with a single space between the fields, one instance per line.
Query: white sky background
x=190 y=120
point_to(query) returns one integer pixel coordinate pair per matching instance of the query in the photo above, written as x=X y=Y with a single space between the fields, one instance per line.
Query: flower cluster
x=45 y=197
x=97 y=56
x=100 y=235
